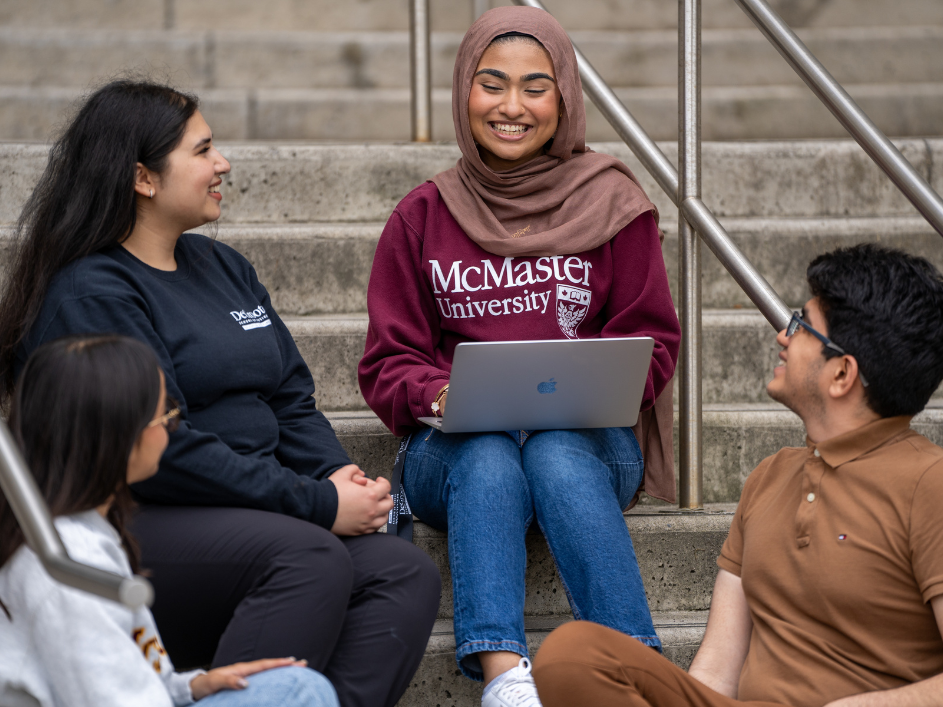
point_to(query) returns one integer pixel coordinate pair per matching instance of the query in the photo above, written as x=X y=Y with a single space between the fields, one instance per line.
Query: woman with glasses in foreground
x=259 y=531
x=91 y=416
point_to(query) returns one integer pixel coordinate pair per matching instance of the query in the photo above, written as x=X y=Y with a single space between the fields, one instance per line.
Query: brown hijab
x=570 y=199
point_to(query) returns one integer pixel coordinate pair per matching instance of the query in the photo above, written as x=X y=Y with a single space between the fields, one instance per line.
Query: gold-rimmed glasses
x=170 y=419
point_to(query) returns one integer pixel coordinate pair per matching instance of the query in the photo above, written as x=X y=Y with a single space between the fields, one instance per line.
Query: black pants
x=236 y=584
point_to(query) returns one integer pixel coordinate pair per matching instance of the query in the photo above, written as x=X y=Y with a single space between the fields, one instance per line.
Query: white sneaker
x=515 y=688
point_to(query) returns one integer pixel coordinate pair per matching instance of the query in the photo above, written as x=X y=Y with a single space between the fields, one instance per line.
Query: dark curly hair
x=885 y=307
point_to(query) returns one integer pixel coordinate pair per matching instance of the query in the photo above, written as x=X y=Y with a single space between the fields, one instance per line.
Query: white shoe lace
x=516 y=689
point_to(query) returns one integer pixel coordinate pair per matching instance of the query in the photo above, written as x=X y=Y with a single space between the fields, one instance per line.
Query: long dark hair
x=79 y=407
x=85 y=200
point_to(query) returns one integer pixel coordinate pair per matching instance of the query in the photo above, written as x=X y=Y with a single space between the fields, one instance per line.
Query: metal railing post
x=27 y=504
x=843 y=107
x=689 y=260
x=420 y=64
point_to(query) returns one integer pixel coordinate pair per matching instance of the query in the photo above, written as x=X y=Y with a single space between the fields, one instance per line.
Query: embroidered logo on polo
x=572 y=305
x=256 y=319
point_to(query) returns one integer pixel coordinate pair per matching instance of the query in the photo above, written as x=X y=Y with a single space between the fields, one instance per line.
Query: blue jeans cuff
x=652 y=641
x=470 y=648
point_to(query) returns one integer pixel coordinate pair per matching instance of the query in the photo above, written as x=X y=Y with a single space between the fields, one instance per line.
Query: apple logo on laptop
x=547 y=387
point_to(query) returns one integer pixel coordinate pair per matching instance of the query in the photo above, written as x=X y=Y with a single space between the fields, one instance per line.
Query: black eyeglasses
x=170 y=419
x=797 y=321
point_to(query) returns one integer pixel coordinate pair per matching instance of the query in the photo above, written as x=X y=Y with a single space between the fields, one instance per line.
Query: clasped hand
x=363 y=504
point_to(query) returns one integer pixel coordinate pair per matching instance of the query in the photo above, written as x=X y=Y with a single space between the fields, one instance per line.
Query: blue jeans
x=486 y=489
x=281 y=687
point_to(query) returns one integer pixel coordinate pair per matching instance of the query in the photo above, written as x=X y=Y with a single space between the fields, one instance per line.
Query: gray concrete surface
x=264 y=59
x=452 y=15
x=729 y=112
x=275 y=183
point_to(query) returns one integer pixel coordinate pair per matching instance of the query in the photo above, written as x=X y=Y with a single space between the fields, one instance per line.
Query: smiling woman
x=530 y=236
x=260 y=533
x=514 y=104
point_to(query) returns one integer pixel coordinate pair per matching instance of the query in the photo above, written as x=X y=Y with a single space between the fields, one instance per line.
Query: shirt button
x=810 y=497
x=816 y=453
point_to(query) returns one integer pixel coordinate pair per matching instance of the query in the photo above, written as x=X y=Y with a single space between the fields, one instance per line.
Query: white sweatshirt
x=65 y=647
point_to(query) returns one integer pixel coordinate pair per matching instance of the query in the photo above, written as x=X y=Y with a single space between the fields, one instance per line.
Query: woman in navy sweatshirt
x=237 y=525
x=530 y=236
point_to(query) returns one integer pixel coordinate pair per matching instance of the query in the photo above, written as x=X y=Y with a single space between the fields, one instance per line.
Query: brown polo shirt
x=840 y=548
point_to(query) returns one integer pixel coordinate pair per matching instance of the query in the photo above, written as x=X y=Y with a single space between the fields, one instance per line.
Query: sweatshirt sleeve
x=306 y=441
x=178 y=685
x=398 y=375
x=87 y=655
x=198 y=468
x=640 y=302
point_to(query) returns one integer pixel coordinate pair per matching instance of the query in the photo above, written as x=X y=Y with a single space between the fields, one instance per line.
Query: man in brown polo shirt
x=830 y=590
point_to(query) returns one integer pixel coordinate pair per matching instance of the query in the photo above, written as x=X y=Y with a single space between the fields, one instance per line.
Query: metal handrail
x=420 y=65
x=32 y=514
x=874 y=142
x=690 y=429
x=693 y=209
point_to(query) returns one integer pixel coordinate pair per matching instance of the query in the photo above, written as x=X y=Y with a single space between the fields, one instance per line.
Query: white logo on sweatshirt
x=524 y=274
x=572 y=305
x=256 y=319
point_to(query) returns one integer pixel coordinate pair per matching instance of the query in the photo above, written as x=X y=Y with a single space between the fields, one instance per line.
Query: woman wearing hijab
x=530 y=236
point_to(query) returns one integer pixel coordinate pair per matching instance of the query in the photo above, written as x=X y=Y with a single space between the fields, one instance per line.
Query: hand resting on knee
x=233 y=677
x=363 y=504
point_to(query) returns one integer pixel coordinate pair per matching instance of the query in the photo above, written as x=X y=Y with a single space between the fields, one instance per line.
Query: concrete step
x=453 y=15
x=737 y=436
x=676 y=554
x=436 y=683
x=739 y=354
x=263 y=59
x=278 y=184
x=323 y=268
x=778 y=112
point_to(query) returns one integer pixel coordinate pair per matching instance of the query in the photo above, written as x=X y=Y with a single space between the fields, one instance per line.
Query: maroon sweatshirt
x=432 y=288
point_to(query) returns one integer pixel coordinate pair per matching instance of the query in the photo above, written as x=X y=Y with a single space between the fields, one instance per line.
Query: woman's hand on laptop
x=363 y=504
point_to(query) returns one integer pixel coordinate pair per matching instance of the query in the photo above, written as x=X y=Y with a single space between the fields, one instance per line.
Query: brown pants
x=585 y=664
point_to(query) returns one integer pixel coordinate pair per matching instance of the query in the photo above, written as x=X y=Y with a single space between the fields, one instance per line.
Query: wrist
x=436 y=405
x=198 y=687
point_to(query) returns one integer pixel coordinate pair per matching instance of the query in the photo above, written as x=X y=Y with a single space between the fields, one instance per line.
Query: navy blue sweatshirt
x=250 y=435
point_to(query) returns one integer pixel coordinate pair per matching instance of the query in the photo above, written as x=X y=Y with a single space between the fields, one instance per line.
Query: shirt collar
x=851 y=445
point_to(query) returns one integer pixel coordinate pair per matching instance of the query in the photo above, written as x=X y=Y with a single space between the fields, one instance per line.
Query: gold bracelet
x=436 y=409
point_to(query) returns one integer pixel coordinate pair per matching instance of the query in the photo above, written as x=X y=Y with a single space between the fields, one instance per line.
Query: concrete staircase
x=308 y=216
x=322 y=69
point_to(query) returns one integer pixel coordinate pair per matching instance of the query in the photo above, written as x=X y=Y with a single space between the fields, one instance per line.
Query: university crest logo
x=572 y=305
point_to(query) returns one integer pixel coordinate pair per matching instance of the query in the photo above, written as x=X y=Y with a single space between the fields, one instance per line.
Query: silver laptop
x=545 y=385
